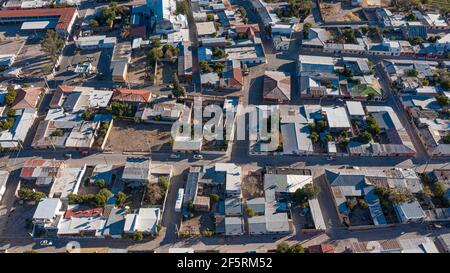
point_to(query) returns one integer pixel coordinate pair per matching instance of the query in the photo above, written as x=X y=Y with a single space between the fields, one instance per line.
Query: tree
x=250 y=212
x=57 y=133
x=100 y=183
x=349 y=35
x=351 y=203
x=321 y=125
x=363 y=204
x=438 y=189
x=94 y=23
x=182 y=7
x=10 y=97
x=308 y=192
x=283 y=248
x=365 y=137
x=210 y=17
x=156 y=42
x=214 y=197
x=137 y=235
x=170 y=51
x=177 y=90
x=445 y=83
x=328 y=138
x=243 y=12
x=155 y=54
x=314 y=137
x=218 y=67
x=121 y=198
x=163 y=181
x=87 y=115
x=218 y=53
x=52 y=44
x=11 y=113
x=297 y=248
x=443 y=100
x=412 y=73
x=447 y=139
x=204 y=66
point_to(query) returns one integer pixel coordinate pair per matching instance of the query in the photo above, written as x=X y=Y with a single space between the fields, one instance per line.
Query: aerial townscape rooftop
x=228 y=126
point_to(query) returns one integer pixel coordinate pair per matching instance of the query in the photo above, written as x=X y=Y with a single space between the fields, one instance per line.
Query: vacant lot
x=252 y=186
x=32 y=59
x=138 y=137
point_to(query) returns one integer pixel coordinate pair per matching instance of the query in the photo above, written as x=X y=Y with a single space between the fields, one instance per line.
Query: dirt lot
x=138 y=137
x=335 y=12
x=198 y=223
x=32 y=59
x=252 y=186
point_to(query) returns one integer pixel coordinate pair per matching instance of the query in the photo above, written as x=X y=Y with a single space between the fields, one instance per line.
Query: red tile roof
x=27 y=98
x=131 y=95
x=322 y=248
x=66 y=88
x=83 y=212
x=237 y=77
x=65 y=15
x=246 y=27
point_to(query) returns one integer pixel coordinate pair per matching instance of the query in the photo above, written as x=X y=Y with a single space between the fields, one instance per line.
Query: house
x=42 y=171
x=3 y=180
x=185 y=61
x=67 y=182
x=136 y=97
x=296 y=138
x=163 y=109
x=282 y=29
x=232 y=78
x=337 y=118
x=355 y=110
x=322 y=248
x=307 y=63
x=277 y=86
x=193 y=178
x=115 y=222
x=247 y=30
x=233 y=207
x=27 y=98
x=16 y=135
x=415 y=30
x=232 y=175
x=75 y=99
x=145 y=221
x=352 y=183
x=82 y=221
x=409 y=211
x=120 y=72
x=281 y=43
x=234 y=226
x=202 y=203
x=46 y=216
x=137 y=171
x=443 y=44
x=250 y=54
x=61 y=20
x=95 y=42
x=205 y=29
x=418 y=244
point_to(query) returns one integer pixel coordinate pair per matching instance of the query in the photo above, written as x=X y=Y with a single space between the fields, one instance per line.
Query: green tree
x=447 y=139
x=177 y=90
x=155 y=54
x=182 y=7
x=204 y=66
x=210 y=17
x=351 y=203
x=412 y=73
x=121 y=198
x=443 y=100
x=297 y=248
x=328 y=138
x=218 y=67
x=163 y=181
x=218 y=53
x=283 y=248
x=11 y=113
x=100 y=183
x=365 y=137
x=156 y=42
x=214 y=197
x=10 y=97
x=57 y=133
x=250 y=212
x=243 y=12
x=445 y=83
x=314 y=137
x=94 y=23
x=137 y=235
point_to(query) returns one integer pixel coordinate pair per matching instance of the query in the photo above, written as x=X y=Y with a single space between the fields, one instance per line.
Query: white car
x=197 y=157
x=46 y=243
x=174 y=156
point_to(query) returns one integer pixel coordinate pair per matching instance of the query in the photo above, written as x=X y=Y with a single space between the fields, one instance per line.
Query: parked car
x=174 y=156
x=68 y=156
x=197 y=157
x=46 y=243
x=84 y=152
